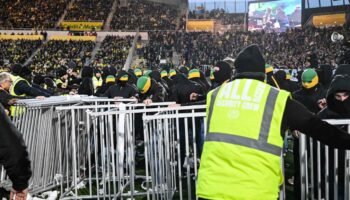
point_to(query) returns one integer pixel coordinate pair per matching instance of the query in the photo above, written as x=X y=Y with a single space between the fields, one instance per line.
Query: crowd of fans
x=219 y=14
x=30 y=13
x=160 y=46
x=92 y=10
x=145 y=16
x=54 y=54
x=17 y=51
x=285 y=50
x=114 y=51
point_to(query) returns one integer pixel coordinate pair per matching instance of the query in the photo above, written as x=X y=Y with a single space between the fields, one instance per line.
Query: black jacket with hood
x=184 y=88
x=337 y=109
x=156 y=93
x=309 y=97
x=325 y=73
x=13 y=154
x=122 y=89
x=87 y=86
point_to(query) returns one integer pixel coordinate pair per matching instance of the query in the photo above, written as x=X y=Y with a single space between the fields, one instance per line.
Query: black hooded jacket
x=155 y=75
x=123 y=89
x=156 y=93
x=105 y=86
x=184 y=88
x=13 y=154
x=310 y=97
x=87 y=86
x=325 y=73
x=336 y=109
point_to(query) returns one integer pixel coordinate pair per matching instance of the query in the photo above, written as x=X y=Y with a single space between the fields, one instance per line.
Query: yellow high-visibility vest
x=241 y=154
x=16 y=110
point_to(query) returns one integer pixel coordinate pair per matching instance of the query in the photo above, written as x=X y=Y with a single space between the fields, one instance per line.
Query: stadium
x=175 y=99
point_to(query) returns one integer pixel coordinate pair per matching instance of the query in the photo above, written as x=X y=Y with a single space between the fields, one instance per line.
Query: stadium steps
x=107 y=25
x=64 y=13
x=176 y=58
x=96 y=48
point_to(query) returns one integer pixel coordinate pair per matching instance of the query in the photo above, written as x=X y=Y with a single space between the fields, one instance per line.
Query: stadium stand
x=17 y=51
x=113 y=52
x=30 y=13
x=145 y=16
x=92 y=10
x=56 y=53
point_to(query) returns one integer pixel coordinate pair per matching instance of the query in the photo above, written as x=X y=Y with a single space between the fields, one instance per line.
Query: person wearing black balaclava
x=122 y=88
x=184 y=90
x=187 y=92
x=194 y=75
x=87 y=85
x=338 y=107
x=222 y=73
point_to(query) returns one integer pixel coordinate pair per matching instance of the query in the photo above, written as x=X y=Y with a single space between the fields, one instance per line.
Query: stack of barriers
x=86 y=147
x=105 y=163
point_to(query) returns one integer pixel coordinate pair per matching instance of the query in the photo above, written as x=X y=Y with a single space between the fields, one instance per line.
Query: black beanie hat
x=61 y=72
x=25 y=71
x=250 y=59
x=16 y=69
x=222 y=72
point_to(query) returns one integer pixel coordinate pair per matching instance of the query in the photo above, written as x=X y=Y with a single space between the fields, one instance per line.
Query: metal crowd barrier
x=324 y=171
x=171 y=165
x=98 y=151
x=40 y=125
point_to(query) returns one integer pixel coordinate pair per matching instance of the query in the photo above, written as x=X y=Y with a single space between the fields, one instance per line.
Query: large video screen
x=275 y=16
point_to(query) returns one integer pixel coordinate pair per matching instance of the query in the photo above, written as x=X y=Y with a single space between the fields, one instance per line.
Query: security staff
x=62 y=79
x=97 y=79
x=245 y=117
x=21 y=76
